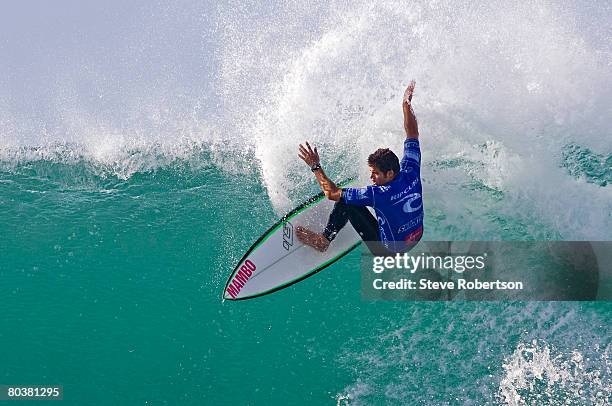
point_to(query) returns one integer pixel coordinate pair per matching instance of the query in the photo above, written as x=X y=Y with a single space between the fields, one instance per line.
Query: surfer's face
x=380 y=178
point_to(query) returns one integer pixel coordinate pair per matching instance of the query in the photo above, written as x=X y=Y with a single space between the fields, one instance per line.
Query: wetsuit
x=398 y=206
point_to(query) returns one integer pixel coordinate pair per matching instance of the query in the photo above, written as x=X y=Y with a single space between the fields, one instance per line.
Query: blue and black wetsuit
x=398 y=206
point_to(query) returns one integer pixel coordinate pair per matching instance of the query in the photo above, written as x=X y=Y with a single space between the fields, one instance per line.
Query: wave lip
x=123 y=158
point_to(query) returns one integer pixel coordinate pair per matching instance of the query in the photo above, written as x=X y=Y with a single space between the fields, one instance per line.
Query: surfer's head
x=384 y=165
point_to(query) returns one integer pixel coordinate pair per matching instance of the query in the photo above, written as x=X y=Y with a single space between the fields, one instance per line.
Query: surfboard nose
x=276 y=260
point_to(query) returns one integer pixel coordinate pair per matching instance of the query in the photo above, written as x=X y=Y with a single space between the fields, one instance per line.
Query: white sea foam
x=506 y=86
x=535 y=373
x=514 y=354
x=501 y=88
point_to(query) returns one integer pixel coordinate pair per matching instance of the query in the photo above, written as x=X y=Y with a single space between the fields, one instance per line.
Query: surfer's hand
x=308 y=155
x=409 y=91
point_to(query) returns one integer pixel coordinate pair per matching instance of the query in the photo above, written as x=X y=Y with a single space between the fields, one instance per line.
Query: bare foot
x=312 y=239
x=409 y=91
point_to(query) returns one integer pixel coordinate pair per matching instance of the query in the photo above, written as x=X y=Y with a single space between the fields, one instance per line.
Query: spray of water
x=502 y=91
x=524 y=354
x=537 y=374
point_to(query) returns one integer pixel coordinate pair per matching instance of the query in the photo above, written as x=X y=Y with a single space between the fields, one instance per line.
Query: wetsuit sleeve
x=412 y=155
x=358 y=196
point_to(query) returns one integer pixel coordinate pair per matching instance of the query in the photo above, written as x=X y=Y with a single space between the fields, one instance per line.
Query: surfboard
x=278 y=259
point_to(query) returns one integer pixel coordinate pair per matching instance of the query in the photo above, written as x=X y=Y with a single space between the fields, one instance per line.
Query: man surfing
x=395 y=196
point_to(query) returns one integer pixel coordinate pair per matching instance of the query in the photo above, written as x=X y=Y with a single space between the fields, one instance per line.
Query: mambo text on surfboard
x=241 y=277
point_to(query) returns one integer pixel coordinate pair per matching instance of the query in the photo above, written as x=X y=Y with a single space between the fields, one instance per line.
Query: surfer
x=395 y=196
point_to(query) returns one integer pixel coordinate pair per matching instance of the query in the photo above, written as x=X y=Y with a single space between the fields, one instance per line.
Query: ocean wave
x=123 y=159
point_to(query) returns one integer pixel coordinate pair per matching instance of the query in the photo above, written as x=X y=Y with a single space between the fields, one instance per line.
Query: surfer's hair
x=385 y=160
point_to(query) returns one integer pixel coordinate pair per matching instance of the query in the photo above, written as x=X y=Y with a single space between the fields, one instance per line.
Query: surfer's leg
x=338 y=218
x=366 y=226
x=360 y=217
x=363 y=222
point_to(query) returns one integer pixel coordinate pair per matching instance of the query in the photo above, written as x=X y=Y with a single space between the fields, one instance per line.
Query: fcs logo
x=287 y=235
x=408 y=205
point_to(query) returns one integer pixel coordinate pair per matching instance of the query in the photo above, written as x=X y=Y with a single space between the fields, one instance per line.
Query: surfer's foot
x=409 y=91
x=312 y=239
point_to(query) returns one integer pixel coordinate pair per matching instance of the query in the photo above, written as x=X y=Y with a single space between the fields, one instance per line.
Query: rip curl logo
x=408 y=206
x=287 y=235
x=402 y=194
x=241 y=278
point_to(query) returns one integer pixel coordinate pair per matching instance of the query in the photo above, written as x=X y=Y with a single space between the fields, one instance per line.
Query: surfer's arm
x=331 y=191
x=410 y=121
x=311 y=157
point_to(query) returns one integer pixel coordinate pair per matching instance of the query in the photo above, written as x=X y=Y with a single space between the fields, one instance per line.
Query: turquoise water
x=112 y=289
x=145 y=146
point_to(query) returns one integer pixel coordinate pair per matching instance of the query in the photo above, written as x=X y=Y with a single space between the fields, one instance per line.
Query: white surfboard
x=278 y=259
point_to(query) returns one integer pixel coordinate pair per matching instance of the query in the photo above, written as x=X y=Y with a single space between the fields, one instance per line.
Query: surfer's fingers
x=303 y=150
x=309 y=147
x=409 y=92
x=306 y=158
